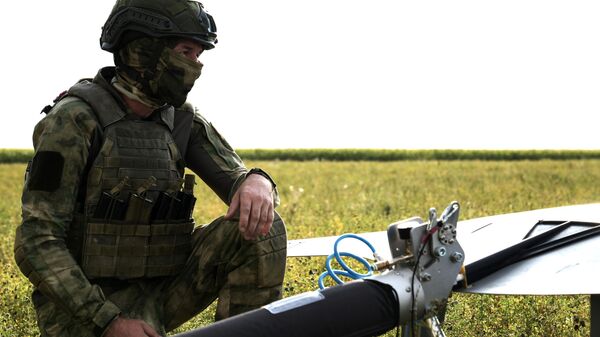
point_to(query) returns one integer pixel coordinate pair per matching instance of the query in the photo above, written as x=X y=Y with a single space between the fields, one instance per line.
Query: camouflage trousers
x=243 y=275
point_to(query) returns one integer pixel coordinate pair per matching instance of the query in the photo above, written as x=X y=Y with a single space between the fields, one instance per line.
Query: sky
x=345 y=73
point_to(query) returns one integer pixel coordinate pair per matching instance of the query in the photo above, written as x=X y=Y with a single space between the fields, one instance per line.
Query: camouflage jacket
x=62 y=143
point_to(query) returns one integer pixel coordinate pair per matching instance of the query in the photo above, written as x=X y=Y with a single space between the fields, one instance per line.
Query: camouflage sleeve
x=216 y=163
x=61 y=142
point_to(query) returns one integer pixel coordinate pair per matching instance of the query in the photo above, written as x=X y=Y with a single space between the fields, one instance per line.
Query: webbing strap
x=139 y=230
x=109 y=183
x=153 y=164
x=101 y=267
x=138 y=250
x=128 y=251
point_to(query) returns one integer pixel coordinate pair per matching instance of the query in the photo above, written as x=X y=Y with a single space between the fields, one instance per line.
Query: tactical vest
x=136 y=216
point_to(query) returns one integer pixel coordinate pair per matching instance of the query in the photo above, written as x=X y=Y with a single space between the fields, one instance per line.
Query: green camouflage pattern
x=133 y=247
x=243 y=275
x=40 y=248
x=72 y=302
x=173 y=75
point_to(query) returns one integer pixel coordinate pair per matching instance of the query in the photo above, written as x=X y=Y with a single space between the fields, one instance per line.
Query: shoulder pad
x=103 y=104
x=216 y=144
x=72 y=105
x=60 y=96
x=71 y=110
x=212 y=134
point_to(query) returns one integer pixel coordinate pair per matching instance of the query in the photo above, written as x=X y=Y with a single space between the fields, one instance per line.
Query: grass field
x=23 y=155
x=330 y=198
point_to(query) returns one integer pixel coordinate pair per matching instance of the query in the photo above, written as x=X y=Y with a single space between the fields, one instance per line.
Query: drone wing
x=550 y=251
x=323 y=246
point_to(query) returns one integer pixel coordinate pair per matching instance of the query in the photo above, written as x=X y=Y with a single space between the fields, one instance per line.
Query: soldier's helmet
x=158 y=18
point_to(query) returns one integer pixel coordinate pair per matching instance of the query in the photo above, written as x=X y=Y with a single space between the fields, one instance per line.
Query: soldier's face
x=190 y=49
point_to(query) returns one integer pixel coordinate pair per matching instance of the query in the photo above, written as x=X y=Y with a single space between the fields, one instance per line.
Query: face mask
x=154 y=80
x=175 y=77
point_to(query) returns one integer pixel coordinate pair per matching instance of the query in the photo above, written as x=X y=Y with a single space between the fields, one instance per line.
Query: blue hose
x=347 y=271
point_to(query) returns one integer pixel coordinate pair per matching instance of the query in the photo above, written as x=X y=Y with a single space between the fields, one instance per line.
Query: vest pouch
x=165 y=203
x=188 y=201
x=169 y=247
x=173 y=208
x=110 y=207
x=139 y=210
x=126 y=251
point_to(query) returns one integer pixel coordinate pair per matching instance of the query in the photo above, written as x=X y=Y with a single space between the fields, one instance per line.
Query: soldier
x=107 y=237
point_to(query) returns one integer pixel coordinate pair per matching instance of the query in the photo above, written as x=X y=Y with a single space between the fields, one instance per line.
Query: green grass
x=23 y=155
x=15 y=155
x=330 y=198
x=403 y=154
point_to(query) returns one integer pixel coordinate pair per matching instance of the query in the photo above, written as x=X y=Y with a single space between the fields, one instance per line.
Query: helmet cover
x=158 y=18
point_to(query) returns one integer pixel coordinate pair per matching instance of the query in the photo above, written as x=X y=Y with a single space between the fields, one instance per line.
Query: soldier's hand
x=123 y=327
x=254 y=202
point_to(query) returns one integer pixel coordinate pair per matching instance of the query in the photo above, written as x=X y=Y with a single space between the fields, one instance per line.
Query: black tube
x=490 y=264
x=354 y=309
x=529 y=247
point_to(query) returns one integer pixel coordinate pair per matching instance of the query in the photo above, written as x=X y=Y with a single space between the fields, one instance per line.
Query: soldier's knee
x=278 y=227
x=272 y=255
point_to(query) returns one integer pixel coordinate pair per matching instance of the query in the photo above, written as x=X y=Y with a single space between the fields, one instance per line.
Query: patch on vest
x=46 y=171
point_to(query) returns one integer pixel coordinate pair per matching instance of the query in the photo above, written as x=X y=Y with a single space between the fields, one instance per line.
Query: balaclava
x=150 y=71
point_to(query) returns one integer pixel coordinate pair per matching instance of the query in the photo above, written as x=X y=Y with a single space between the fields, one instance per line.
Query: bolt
x=456 y=257
x=425 y=277
x=440 y=251
x=451 y=241
x=408 y=289
x=446 y=227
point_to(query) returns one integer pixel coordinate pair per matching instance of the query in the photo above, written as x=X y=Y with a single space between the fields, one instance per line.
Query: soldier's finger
x=245 y=208
x=264 y=217
x=254 y=221
x=233 y=206
x=269 y=220
x=262 y=220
